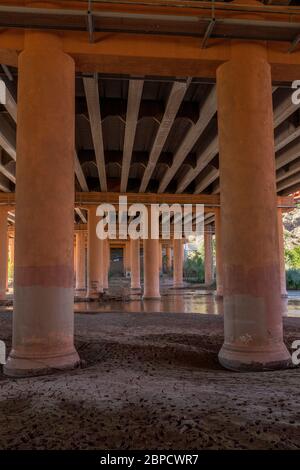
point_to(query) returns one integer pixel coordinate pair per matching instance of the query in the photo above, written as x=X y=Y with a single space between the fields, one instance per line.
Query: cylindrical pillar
x=106 y=264
x=151 y=265
x=11 y=256
x=208 y=256
x=219 y=257
x=283 y=290
x=3 y=252
x=95 y=257
x=250 y=249
x=177 y=263
x=135 y=264
x=80 y=260
x=43 y=320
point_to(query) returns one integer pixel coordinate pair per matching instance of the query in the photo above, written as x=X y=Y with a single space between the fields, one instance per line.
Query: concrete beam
x=93 y=104
x=176 y=96
x=133 y=105
x=207 y=111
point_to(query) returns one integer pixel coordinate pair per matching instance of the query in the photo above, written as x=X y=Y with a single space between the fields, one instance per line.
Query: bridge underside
x=182 y=104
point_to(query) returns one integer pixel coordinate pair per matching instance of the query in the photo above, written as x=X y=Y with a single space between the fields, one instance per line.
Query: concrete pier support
x=3 y=252
x=106 y=265
x=11 y=254
x=284 y=293
x=251 y=265
x=43 y=317
x=95 y=257
x=80 y=261
x=208 y=256
x=151 y=266
x=135 y=264
x=178 y=263
x=219 y=257
x=127 y=259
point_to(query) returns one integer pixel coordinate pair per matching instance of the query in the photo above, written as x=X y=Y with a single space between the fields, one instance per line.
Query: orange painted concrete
x=106 y=265
x=80 y=260
x=250 y=250
x=43 y=305
x=177 y=263
x=219 y=257
x=169 y=258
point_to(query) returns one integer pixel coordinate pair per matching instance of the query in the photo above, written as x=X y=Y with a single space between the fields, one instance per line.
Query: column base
x=32 y=366
x=135 y=288
x=243 y=360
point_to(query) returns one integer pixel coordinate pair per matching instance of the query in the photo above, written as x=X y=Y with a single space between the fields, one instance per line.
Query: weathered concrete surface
x=151 y=381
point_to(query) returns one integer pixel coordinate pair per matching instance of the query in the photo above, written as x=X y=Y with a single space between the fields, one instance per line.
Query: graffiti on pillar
x=2 y=352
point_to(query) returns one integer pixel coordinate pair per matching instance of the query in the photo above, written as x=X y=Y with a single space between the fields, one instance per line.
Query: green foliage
x=293 y=278
x=194 y=267
x=292 y=258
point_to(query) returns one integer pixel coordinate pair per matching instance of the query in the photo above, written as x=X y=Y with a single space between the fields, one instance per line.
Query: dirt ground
x=151 y=381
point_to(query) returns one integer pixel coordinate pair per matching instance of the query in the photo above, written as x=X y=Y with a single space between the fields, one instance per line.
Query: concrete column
x=80 y=260
x=12 y=254
x=250 y=249
x=106 y=264
x=3 y=252
x=169 y=258
x=283 y=290
x=43 y=320
x=178 y=263
x=95 y=257
x=208 y=256
x=135 y=264
x=219 y=257
x=151 y=266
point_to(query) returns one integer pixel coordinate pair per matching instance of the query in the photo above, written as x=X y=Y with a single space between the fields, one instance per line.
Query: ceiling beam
x=93 y=105
x=176 y=96
x=207 y=111
x=81 y=215
x=7 y=138
x=135 y=91
x=203 y=159
x=284 y=109
x=212 y=174
x=79 y=173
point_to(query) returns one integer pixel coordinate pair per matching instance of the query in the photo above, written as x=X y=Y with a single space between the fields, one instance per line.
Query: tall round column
x=251 y=267
x=151 y=265
x=95 y=257
x=219 y=257
x=43 y=320
x=135 y=264
x=283 y=290
x=106 y=264
x=208 y=256
x=3 y=252
x=177 y=263
x=11 y=244
x=80 y=260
